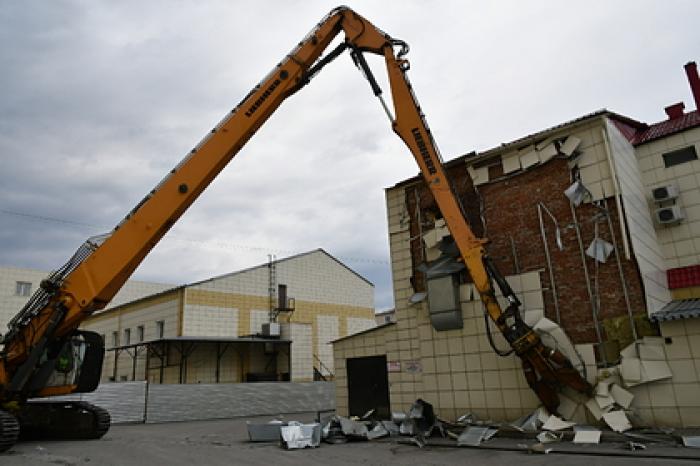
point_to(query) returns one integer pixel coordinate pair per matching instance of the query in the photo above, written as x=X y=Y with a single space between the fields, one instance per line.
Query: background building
x=18 y=284
x=639 y=189
x=385 y=317
x=218 y=330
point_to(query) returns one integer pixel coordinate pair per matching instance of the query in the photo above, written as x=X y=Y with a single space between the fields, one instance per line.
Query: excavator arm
x=41 y=331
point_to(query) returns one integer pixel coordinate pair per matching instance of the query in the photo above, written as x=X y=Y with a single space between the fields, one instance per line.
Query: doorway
x=368 y=386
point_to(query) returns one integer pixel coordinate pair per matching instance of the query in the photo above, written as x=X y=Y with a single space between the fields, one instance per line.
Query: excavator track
x=63 y=420
x=9 y=430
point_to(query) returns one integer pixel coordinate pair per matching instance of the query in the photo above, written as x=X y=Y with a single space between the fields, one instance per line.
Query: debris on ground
x=473 y=436
x=420 y=426
x=265 y=432
x=297 y=435
x=550 y=437
x=538 y=448
x=692 y=441
x=586 y=434
x=633 y=446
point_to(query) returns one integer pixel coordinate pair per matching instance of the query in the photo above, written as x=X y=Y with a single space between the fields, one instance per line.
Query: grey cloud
x=101 y=99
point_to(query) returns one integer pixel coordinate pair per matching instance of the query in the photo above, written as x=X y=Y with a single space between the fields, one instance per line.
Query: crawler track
x=9 y=430
x=63 y=420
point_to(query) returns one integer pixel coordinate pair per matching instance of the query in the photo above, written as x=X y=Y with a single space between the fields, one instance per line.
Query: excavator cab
x=74 y=364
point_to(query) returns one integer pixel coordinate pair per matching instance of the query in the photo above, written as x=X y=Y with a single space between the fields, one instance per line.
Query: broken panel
x=443 y=303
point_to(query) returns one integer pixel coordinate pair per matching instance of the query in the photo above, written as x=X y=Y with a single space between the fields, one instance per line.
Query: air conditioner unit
x=664 y=193
x=271 y=329
x=669 y=215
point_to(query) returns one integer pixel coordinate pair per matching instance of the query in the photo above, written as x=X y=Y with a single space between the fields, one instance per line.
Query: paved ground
x=226 y=443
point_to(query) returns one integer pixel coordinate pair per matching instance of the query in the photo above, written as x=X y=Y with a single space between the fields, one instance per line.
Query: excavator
x=44 y=353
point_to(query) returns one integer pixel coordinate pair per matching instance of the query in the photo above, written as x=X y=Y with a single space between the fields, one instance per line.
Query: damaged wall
x=509 y=219
x=457 y=370
x=674 y=401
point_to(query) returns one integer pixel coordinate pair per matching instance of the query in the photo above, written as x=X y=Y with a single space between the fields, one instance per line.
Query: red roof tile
x=667 y=128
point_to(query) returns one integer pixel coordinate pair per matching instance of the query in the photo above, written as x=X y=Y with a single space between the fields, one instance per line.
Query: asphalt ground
x=225 y=442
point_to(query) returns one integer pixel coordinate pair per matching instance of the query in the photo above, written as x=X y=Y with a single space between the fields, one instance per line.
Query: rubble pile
x=609 y=407
x=541 y=431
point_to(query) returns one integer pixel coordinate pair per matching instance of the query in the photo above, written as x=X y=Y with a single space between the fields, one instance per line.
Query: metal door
x=368 y=386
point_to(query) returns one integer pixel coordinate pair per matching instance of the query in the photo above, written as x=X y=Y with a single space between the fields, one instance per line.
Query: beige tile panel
x=672 y=328
x=690 y=417
x=687 y=394
x=667 y=416
x=134 y=307
x=661 y=395
x=683 y=371
x=678 y=348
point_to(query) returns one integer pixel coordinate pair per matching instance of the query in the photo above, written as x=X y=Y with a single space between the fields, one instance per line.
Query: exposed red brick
x=510 y=212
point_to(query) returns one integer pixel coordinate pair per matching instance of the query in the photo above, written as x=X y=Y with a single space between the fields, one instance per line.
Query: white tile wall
x=209 y=321
x=327 y=331
x=686 y=177
x=638 y=220
x=10 y=304
x=313 y=276
x=302 y=354
x=257 y=318
x=167 y=311
x=357 y=324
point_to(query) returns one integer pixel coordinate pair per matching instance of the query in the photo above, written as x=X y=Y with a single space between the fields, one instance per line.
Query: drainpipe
x=619 y=268
x=594 y=311
x=623 y=224
x=616 y=184
x=543 y=235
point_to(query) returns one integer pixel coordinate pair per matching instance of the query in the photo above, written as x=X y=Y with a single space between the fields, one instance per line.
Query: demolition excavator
x=44 y=353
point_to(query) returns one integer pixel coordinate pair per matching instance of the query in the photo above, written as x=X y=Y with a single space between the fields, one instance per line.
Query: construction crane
x=45 y=354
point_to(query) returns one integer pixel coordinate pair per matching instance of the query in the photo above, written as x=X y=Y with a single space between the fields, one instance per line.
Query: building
x=602 y=185
x=385 y=317
x=219 y=330
x=18 y=284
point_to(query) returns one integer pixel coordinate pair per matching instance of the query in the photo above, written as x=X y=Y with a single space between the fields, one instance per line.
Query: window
x=127 y=336
x=115 y=339
x=676 y=157
x=104 y=338
x=23 y=288
x=139 y=333
x=160 y=328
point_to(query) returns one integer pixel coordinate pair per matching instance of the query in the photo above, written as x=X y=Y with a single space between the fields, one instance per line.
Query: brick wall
x=512 y=225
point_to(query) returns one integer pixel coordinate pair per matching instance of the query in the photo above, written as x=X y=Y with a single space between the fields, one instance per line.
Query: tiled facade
x=236 y=305
x=458 y=371
x=645 y=244
x=680 y=243
x=674 y=402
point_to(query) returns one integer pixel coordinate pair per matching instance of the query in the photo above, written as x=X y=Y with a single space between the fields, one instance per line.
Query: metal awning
x=204 y=339
x=184 y=346
x=679 y=309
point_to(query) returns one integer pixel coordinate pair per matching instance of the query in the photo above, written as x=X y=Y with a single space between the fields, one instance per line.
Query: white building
x=18 y=284
x=212 y=331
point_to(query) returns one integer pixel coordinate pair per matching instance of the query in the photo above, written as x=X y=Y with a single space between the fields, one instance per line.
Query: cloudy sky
x=101 y=99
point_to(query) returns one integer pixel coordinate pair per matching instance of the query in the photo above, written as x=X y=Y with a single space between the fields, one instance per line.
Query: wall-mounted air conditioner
x=271 y=329
x=664 y=193
x=669 y=215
